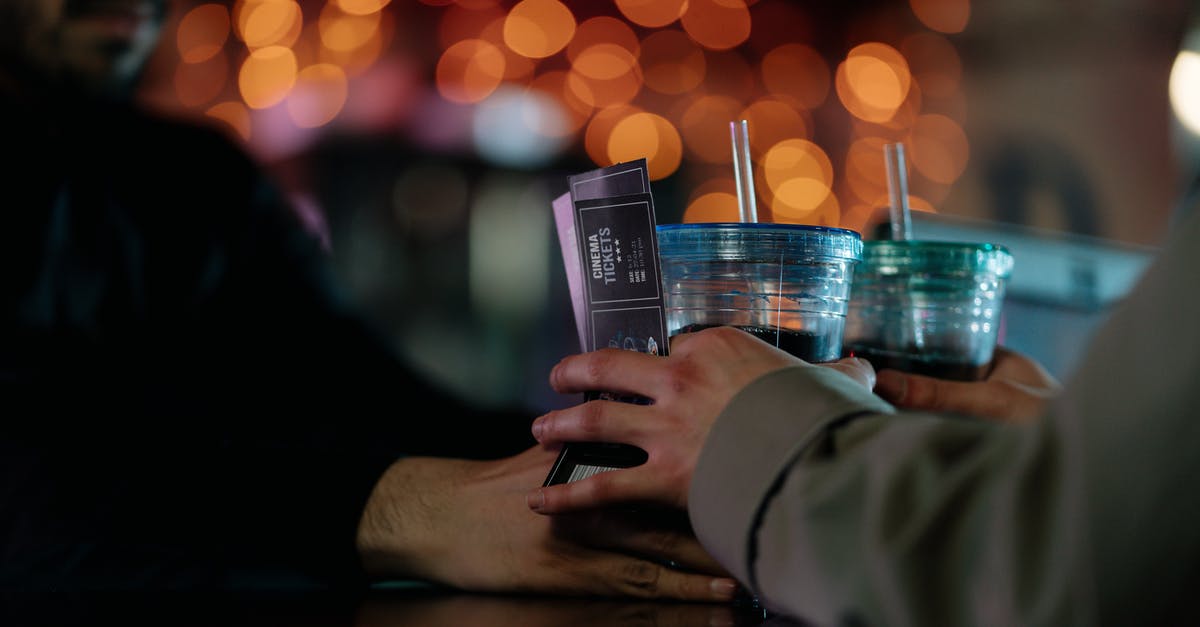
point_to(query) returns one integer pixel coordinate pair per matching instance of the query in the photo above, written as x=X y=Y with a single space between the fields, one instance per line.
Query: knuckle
x=591 y=418
x=641 y=577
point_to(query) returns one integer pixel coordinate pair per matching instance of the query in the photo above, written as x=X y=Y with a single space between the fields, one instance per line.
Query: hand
x=465 y=524
x=1015 y=390
x=690 y=388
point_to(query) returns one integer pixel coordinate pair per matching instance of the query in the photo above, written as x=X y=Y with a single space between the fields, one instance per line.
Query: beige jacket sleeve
x=835 y=511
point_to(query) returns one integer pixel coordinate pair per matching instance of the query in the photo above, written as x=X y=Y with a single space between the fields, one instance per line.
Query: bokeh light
x=600 y=129
x=944 y=16
x=717 y=24
x=650 y=136
x=771 y=121
x=935 y=64
x=705 y=128
x=235 y=115
x=671 y=62
x=262 y=23
x=938 y=148
x=538 y=28
x=200 y=83
x=362 y=7
x=202 y=32
x=652 y=13
x=1184 y=89
x=798 y=178
x=873 y=81
x=797 y=71
x=469 y=71
x=319 y=95
x=266 y=76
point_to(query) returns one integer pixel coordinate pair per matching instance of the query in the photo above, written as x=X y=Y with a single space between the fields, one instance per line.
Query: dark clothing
x=185 y=399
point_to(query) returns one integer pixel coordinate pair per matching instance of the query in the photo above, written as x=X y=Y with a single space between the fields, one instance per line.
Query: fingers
x=856 y=368
x=997 y=399
x=594 y=421
x=608 y=369
x=1013 y=366
x=644 y=579
x=656 y=534
x=606 y=488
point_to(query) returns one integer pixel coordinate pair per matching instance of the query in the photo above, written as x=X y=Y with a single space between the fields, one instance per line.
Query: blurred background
x=424 y=140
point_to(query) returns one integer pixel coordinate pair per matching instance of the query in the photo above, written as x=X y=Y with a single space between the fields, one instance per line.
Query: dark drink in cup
x=787 y=284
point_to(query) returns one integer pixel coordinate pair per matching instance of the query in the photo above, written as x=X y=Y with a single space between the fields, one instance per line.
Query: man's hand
x=1015 y=390
x=466 y=524
x=690 y=388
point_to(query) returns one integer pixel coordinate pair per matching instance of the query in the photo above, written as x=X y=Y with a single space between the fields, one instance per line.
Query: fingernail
x=535 y=500
x=724 y=588
x=537 y=428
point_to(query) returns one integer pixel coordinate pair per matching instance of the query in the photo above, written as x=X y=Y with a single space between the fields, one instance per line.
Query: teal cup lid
x=884 y=257
x=756 y=242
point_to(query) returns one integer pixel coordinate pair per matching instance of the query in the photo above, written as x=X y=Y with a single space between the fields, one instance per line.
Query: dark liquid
x=917 y=364
x=807 y=346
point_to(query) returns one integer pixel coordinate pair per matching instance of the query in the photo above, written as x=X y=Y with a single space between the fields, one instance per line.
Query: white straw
x=897 y=178
x=743 y=171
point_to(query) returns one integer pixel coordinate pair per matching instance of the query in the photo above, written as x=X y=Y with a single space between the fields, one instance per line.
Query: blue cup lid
x=757 y=242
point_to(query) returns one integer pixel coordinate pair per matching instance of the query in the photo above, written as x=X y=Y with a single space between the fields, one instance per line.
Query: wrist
x=399 y=534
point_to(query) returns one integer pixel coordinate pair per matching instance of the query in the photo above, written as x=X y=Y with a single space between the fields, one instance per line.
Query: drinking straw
x=743 y=171
x=897 y=179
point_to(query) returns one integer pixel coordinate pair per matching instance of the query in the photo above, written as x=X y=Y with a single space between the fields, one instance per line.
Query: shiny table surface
x=397 y=607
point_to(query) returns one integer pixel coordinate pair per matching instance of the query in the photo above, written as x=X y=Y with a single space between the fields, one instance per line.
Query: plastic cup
x=928 y=307
x=787 y=284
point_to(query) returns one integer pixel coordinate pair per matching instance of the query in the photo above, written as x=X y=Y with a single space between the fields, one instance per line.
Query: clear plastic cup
x=787 y=284
x=928 y=307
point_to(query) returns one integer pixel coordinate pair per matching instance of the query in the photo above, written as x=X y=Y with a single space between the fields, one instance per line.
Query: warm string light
x=654 y=79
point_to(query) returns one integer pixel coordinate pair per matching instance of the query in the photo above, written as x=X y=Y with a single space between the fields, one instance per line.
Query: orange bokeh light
x=469 y=71
x=262 y=23
x=705 y=127
x=798 y=176
x=713 y=207
x=538 y=28
x=356 y=60
x=717 y=24
x=938 y=148
x=650 y=136
x=652 y=13
x=796 y=71
x=599 y=129
x=864 y=172
x=266 y=76
x=202 y=32
x=771 y=121
x=517 y=68
x=605 y=92
x=319 y=95
x=604 y=62
x=233 y=113
x=671 y=62
x=873 y=81
x=343 y=32
x=199 y=83
x=362 y=7
x=602 y=30
x=944 y=16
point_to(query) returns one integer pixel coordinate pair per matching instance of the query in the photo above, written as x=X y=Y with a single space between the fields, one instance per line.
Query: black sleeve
x=219 y=416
